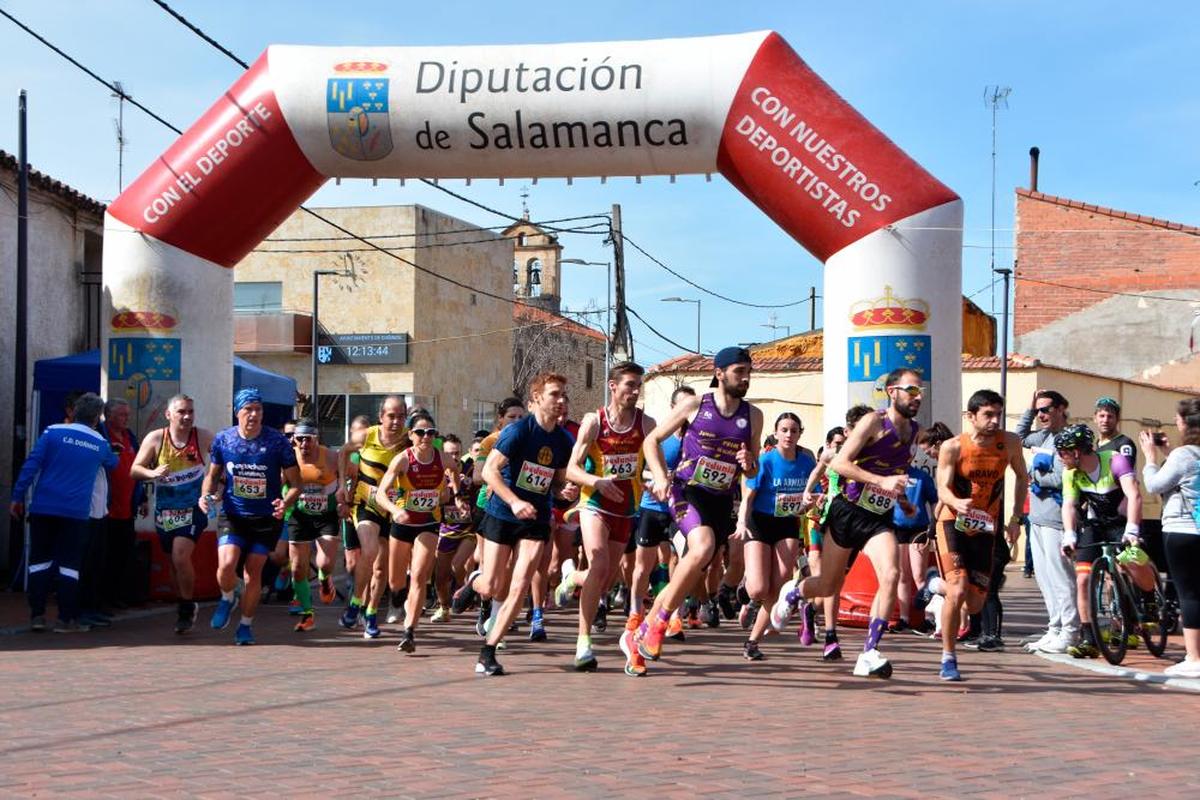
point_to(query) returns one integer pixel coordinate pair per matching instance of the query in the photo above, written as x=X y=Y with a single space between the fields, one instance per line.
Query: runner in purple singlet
x=720 y=445
x=873 y=465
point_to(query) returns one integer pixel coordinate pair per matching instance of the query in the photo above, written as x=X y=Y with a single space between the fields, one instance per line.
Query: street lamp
x=607 y=302
x=686 y=300
x=316 y=404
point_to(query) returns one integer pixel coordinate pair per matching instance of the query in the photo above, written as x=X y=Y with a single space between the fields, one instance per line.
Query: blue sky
x=1106 y=90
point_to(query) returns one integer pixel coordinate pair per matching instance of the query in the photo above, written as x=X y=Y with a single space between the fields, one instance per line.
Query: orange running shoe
x=649 y=638
x=328 y=594
x=633 y=621
x=635 y=664
x=307 y=623
x=675 y=628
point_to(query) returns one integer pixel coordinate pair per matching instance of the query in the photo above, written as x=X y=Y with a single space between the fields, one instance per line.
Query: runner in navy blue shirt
x=525 y=469
x=254 y=463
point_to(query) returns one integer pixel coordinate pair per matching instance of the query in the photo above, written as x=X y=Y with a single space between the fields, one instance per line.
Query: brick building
x=1106 y=291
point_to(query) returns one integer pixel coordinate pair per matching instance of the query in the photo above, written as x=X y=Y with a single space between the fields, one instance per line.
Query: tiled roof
x=527 y=315
x=694 y=363
x=1110 y=212
x=44 y=182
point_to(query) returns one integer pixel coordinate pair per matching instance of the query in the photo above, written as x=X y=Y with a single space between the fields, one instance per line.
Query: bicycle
x=1119 y=609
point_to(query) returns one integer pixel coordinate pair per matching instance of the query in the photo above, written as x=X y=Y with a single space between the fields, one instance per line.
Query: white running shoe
x=394 y=614
x=1058 y=644
x=1184 y=669
x=872 y=664
x=782 y=610
x=565 y=589
x=1038 y=644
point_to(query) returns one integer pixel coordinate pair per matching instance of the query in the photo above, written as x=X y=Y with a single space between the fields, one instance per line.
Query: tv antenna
x=997 y=98
x=119 y=124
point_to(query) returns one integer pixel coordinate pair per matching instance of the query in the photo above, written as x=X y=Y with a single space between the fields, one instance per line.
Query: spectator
x=125 y=498
x=1174 y=475
x=1108 y=429
x=65 y=463
x=1054 y=572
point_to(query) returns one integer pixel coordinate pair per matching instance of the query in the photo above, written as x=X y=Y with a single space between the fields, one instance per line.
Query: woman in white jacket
x=1173 y=474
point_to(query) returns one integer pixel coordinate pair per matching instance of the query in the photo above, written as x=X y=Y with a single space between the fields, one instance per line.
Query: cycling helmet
x=1075 y=437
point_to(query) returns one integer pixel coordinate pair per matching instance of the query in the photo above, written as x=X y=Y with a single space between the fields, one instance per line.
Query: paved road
x=137 y=711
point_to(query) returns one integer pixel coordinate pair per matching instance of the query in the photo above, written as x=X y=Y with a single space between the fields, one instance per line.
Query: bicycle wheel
x=1153 y=617
x=1108 y=618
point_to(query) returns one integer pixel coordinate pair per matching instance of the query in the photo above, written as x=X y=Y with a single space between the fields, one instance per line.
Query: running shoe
x=187 y=616
x=725 y=597
x=750 y=651
x=747 y=614
x=441 y=615
x=394 y=615
x=585 y=660
x=949 y=670
x=220 y=617
x=833 y=649
x=294 y=607
x=899 y=626
x=872 y=664
x=283 y=579
x=808 y=624
x=990 y=644
x=675 y=628
x=71 y=626
x=485 y=614
x=307 y=622
x=783 y=609
x=713 y=616
x=635 y=664
x=743 y=597
x=349 y=618
x=925 y=594
x=327 y=592
x=408 y=642
x=370 y=626
x=1184 y=669
x=1060 y=643
x=244 y=635
x=633 y=621
x=1036 y=644
x=649 y=638
x=600 y=622
x=487 y=664
x=566 y=589
x=1084 y=649
x=466 y=596
x=537 y=631
x=38 y=624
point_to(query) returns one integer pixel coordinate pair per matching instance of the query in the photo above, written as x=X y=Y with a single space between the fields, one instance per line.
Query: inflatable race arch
x=743 y=105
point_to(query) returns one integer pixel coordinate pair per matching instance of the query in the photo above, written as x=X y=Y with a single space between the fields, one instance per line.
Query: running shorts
x=508 y=533
x=770 y=529
x=350 y=535
x=654 y=528
x=449 y=545
x=852 y=527
x=309 y=528
x=254 y=535
x=694 y=507
x=409 y=533
x=620 y=529
x=166 y=538
x=362 y=513
x=965 y=556
x=907 y=535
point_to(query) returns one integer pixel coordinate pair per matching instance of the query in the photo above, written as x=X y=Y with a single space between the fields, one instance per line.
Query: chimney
x=1033 y=168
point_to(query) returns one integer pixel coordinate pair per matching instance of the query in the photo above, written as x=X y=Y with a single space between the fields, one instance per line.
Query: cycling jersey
x=1099 y=494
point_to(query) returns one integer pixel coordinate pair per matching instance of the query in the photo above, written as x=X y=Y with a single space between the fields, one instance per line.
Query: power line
x=481 y=206
x=654 y=330
x=200 y=33
x=475 y=229
x=334 y=249
x=706 y=290
x=1107 y=291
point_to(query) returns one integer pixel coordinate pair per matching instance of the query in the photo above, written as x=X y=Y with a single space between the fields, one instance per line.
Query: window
x=587 y=375
x=484 y=417
x=533 y=277
x=257 y=297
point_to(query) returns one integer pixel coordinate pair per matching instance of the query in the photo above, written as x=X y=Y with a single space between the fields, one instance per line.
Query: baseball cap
x=727 y=357
x=1109 y=403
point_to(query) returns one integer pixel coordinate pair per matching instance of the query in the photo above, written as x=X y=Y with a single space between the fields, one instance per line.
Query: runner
x=970 y=486
x=1101 y=503
x=769 y=524
x=456 y=540
x=653 y=538
x=872 y=465
x=915 y=531
x=173 y=457
x=524 y=469
x=350 y=544
x=421 y=485
x=721 y=443
x=565 y=541
x=380 y=444
x=315 y=518
x=253 y=461
x=610 y=441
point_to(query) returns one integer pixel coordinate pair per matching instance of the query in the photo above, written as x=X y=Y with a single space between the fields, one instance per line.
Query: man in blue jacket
x=61 y=469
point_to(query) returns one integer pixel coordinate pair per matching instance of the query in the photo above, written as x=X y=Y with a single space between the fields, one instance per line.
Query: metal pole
x=698 y=327
x=1004 y=338
x=812 y=299
x=608 y=332
x=21 y=339
x=315 y=405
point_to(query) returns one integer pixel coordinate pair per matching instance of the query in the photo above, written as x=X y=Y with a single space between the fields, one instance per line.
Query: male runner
x=173 y=457
x=970 y=486
x=315 y=518
x=379 y=446
x=524 y=469
x=873 y=465
x=254 y=461
x=610 y=440
x=720 y=445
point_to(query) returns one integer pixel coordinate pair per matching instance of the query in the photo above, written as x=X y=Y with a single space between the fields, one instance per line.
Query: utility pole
x=997 y=98
x=21 y=339
x=812 y=308
x=622 y=341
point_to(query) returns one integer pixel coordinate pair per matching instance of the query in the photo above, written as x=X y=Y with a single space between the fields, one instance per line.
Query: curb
x=1104 y=668
x=142 y=613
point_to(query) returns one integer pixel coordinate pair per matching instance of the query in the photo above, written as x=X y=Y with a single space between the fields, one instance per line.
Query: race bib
x=452 y=515
x=422 y=500
x=249 y=488
x=313 y=502
x=974 y=521
x=713 y=474
x=874 y=499
x=620 y=466
x=535 y=478
x=788 y=505
x=172 y=519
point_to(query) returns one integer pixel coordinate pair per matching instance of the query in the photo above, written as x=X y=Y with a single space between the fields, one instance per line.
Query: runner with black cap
x=720 y=445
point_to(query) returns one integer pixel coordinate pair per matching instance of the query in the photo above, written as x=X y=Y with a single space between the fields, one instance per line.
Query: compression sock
x=398 y=597
x=321 y=574
x=371 y=610
x=355 y=602
x=304 y=595
x=874 y=633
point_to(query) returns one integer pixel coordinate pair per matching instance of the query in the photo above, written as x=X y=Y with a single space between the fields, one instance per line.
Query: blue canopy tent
x=55 y=378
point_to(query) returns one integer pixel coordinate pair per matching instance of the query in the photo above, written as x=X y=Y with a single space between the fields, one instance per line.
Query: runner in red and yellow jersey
x=607 y=464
